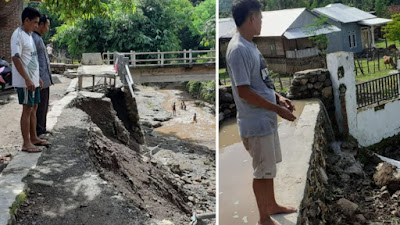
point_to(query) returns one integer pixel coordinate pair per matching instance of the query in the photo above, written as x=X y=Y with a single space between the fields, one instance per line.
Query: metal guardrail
x=378 y=90
x=143 y=59
x=122 y=67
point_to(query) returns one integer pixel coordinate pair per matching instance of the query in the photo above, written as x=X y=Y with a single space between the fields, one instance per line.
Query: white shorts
x=266 y=153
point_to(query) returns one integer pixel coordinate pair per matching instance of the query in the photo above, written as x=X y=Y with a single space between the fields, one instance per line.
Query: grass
x=381 y=43
x=224 y=77
x=369 y=76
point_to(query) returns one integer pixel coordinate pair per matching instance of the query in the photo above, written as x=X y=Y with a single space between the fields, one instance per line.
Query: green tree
x=393 y=28
x=204 y=22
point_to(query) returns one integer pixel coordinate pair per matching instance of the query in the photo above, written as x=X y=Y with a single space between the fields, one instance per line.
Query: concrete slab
x=92 y=59
x=237 y=202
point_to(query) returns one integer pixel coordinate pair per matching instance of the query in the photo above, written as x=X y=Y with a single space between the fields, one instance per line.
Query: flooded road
x=237 y=201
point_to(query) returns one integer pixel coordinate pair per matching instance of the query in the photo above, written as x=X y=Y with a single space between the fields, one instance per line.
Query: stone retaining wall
x=227 y=107
x=314 y=83
x=313 y=207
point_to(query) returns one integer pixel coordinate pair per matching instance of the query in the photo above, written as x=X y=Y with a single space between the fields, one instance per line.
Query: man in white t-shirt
x=25 y=74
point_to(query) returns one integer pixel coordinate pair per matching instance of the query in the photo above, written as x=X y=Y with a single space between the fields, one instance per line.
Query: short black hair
x=43 y=19
x=30 y=13
x=241 y=9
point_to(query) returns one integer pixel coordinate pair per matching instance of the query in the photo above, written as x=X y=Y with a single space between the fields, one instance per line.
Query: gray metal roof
x=296 y=33
x=227 y=27
x=275 y=23
x=343 y=13
x=374 y=22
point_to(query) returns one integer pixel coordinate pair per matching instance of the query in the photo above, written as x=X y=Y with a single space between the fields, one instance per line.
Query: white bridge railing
x=146 y=59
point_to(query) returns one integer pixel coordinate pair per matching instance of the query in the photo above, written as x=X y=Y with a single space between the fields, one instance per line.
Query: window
x=352 y=39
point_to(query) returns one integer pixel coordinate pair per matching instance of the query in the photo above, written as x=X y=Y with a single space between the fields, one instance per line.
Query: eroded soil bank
x=103 y=164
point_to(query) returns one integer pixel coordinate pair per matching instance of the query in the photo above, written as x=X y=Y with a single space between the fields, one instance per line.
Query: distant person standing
x=174 y=109
x=194 y=118
x=50 y=50
x=44 y=74
x=25 y=74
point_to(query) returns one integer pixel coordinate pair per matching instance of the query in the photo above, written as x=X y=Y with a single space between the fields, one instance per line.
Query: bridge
x=171 y=66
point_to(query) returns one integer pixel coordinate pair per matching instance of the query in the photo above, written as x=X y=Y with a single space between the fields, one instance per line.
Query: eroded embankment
x=174 y=189
x=101 y=138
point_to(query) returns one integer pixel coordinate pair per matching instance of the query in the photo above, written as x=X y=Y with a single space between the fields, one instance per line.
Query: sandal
x=32 y=150
x=43 y=143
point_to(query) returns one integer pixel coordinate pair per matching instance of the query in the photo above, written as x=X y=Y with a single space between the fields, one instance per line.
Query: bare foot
x=268 y=221
x=30 y=148
x=277 y=209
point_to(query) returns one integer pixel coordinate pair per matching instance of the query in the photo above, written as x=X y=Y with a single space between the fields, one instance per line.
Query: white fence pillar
x=133 y=58
x=341 y=68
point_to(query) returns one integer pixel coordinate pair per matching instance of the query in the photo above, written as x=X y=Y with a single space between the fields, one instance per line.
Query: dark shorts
x=29 y=98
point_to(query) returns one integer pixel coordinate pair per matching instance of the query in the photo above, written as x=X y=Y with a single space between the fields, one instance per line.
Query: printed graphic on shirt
x=265 y=75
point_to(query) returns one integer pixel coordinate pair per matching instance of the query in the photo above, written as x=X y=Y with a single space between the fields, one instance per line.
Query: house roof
x=227 y=27
x=374 y=22
x=275 y=23
x=296 y=33
x=343 y=13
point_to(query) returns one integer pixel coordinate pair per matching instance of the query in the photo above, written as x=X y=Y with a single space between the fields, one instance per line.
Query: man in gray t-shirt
x=257 y=108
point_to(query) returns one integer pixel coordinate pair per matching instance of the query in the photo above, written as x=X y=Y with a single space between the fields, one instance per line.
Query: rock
x=322 y=78
x=344 y=177
x=327 y=83
x=327 y=92
x=387 y=174
x=43 y=182
x=191 y=198
x=227 y=112
x=310 y=86
x=385 y=195
x=313 y=79
x=303 y=81
x=221 y=116
x=347 y=207
x=232 y=106
x=355 y=169
x=323 y=175
x=396 y=212
x=226 y=97
x=318 y=85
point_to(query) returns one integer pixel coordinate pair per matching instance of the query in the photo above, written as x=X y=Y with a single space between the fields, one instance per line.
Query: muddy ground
x=351 y=176
x=99 y=171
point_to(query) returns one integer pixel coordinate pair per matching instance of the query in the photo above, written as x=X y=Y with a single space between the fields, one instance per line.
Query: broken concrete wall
x=369 y=124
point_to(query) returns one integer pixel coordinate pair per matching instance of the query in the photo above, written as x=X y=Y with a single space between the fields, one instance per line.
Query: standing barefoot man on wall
x=25 y=72
x=257 y=108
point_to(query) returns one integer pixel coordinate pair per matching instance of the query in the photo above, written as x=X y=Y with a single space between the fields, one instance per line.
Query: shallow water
x=182 y=125
x=237 y=203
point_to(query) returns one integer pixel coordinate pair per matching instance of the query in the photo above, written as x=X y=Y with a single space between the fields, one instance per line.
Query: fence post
x=190 y=56
x=158 y=57
x=184 y=56
x=108 y=57
x=162 y=58
x=133 y=58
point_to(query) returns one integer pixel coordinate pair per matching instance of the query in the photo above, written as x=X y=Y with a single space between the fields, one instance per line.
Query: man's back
x=244 y=65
